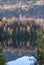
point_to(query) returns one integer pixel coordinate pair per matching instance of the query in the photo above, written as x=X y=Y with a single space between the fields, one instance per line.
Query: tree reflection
x=20 y=35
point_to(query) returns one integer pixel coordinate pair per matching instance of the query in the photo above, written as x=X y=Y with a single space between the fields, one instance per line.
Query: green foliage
x=41 y=58
x=42 y=44
x=41 y=52
x=41 y=55
x=1 y=50
x=2 y=59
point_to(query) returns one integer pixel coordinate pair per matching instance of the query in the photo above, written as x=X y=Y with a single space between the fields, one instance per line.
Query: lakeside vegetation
x=41 y=53
x=2 y=58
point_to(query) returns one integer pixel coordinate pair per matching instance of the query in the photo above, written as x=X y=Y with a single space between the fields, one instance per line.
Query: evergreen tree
x=2 y=59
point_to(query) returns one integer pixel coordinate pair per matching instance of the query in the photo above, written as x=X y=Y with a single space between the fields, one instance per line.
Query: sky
x=25 y=60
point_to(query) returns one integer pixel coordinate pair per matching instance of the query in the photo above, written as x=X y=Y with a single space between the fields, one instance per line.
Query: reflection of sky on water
x=16 y=55
x=23 y=60
x=18 y=44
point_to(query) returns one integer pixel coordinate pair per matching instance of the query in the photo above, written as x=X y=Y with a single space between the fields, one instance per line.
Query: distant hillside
x=25 y=8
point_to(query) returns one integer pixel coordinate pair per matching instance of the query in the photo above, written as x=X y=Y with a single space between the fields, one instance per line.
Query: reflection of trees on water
x=20 y=35
x=15 y=43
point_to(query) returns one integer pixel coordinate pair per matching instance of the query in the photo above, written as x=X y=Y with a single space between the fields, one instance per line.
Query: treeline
x=21 y=33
